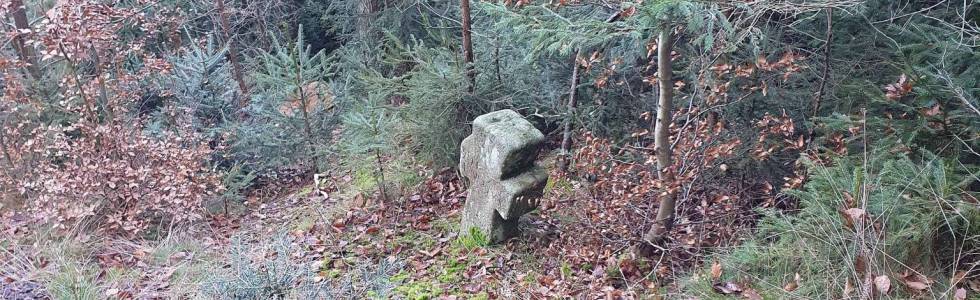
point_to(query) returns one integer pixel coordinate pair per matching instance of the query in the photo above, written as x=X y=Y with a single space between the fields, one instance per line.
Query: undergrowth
x=276 y=270
x=920 y=222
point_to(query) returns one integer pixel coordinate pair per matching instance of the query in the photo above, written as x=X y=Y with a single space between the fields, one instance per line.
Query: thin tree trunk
x=103 y=89
x=861 y=227
x=665 y=213
x=25 y=51
x=381 y=176
x=462 y=114
x=818 y=98
x=566 y=139
x=236 y=66
x=366 y=9
x=468 y=44
x=88 y=106
x=307 y=127
x=496 y=61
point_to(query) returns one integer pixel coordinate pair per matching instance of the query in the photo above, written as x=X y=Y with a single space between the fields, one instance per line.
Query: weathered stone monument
x=498 y=158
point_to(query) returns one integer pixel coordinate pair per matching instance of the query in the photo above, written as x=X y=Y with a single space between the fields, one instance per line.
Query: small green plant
x=566 y=269
x=62 y=268
x=419 y=290
x=472 y=240
x=452 y=271
x=277 y=277
x=558 y=185
x=367 y=130
x=201 y=84
x=236 y=180
x=74 y=281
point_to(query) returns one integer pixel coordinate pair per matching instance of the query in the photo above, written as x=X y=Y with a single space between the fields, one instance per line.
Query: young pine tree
x=202 y=87
x=368 y=129
x=292 y=109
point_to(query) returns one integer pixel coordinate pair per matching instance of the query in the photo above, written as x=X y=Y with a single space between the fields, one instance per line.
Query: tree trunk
x=468 y=44
x=818 y=98
x=90 y=112
x=366 y=10
x=566 y=139
x=236 y=66
x=665 y=213
x=24 y=51
x=462 y=114
x=305 y=106
x=382 y=184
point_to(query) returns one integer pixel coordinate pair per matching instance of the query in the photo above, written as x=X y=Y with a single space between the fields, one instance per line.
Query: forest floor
x=406 y=248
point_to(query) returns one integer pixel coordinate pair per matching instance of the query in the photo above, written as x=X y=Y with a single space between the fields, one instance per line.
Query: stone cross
x=498 y=158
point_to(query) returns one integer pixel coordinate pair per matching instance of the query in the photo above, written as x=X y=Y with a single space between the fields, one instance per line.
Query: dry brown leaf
x=751 y=294
x=715 y=271
x=433 y=253
x=935 y=110
x=546 y=280
x=860 y=264
x=883 y=284
x=917 y=285
x=793 y=285
x=898 y=89
x=727 y=288
x=916 y=281
x=849 y=200
x=112 y=292
x=958 y=277
x=852 y=215
x=848 y=289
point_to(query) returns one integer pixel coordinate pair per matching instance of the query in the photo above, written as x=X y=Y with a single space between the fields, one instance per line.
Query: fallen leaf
x=935 y=110
x=434 y=252
x=715 y=271
x=958 y=277
x=751 y=294
x=848 y=289
x=916 y=281
x=546 y=280
x=852 y=216
x=917 y=285
x=883 y=284
x=898 y=89
x=860 y=264
x=727 y=288
x=849 y=200
x=793 y=285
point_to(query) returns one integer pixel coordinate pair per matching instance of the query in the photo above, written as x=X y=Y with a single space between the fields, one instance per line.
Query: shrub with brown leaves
x=123 y=179
x=72 y=151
